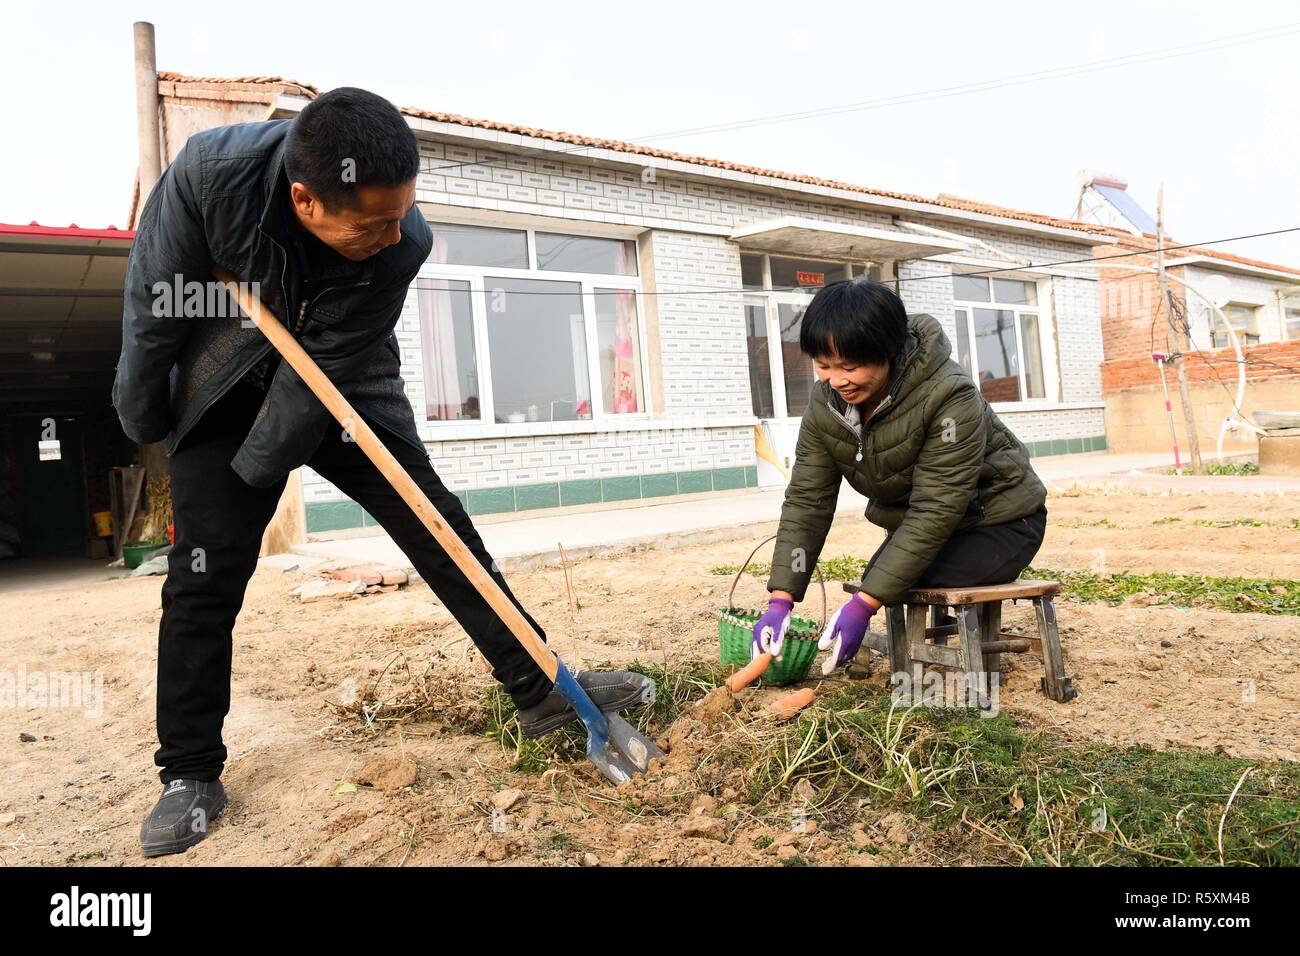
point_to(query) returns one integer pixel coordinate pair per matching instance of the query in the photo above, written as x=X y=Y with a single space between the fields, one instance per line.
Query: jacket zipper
x=861 y=431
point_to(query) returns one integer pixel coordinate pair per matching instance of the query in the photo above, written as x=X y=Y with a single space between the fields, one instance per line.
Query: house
x=606 y=322
x=1212 y=290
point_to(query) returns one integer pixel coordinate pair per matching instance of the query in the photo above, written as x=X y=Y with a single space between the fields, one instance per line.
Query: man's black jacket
x=223 y=202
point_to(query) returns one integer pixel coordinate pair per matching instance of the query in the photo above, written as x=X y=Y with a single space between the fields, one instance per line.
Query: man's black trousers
x=219 y=526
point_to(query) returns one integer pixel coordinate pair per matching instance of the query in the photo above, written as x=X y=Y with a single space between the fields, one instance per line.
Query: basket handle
x=821 y=581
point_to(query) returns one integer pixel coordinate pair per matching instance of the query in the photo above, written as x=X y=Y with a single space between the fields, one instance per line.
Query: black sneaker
x=181 y=816
x=609 y=690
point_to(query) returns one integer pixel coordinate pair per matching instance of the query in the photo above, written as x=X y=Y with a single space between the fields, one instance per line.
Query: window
x=537 y=341
x=614 y=257
x=805 y=273
x=460 y=245
x=781 y=377
x=519 y=326
x=1000 y=343
x=1292 y=321
x=447 y=343
x=620 y=350
x=1244 y=320
x=760 y=362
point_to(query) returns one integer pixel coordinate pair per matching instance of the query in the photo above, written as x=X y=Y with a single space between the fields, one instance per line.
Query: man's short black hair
x=346 y=139
x=857 y=319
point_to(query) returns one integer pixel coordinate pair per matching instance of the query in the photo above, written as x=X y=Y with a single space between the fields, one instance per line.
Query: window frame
x=486 y=426
x=1243 y=335
x=773 y=300
x=1039 y=311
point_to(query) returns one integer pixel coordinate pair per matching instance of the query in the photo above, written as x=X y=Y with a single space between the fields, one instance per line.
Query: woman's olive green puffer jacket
x=933 y=459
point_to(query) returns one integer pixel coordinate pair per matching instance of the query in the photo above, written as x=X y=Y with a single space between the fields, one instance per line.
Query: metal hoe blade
x=617 y=748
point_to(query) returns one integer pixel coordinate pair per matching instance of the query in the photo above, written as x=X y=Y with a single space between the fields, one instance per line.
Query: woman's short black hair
x=346 y=139
x=857 y=319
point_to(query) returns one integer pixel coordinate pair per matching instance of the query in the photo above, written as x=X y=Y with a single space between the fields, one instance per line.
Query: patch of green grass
x=1032 y=799
x=556 y=843
x=1259 y=595
x=1222 y=468
x=762 y=843
x=845 y=567
x=1293 y=524
x=677 y=687
x=1168 y=519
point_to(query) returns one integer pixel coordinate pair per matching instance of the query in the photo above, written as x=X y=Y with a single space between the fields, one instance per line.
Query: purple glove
x=844 y=633
x=770 y=630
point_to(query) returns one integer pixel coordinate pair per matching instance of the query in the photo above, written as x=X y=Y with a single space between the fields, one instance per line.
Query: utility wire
x=704 y=290
x=964 y=89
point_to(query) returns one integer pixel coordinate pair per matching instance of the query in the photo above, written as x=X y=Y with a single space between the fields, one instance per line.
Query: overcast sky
x=1220 y=128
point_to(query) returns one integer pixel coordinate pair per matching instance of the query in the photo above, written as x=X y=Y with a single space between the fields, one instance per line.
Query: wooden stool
x=980 y=643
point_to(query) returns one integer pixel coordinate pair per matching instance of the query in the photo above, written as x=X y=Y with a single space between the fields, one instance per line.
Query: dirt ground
x=426 y=790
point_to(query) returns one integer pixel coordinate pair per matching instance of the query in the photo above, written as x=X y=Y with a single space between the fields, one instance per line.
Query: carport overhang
x=793 y=236
x=60 y=314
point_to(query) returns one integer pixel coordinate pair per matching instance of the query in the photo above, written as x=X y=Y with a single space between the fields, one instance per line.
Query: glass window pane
x=538 y=347
x=619 y=342
x=799 y=374
x=963 y=340
x=1030 y=340
x=970 y=288
x=995 y=352
x=805 y=273
x=1292 y=324
x=1014 y=292
x=760 y=358
x=751 y=272
x=451 y=391
x=461 y=245
x=611 y=257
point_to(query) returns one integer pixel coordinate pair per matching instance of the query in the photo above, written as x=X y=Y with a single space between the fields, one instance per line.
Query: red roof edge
x=67 y=232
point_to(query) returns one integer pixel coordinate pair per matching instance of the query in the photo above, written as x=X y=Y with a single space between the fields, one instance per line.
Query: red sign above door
x=810 y=278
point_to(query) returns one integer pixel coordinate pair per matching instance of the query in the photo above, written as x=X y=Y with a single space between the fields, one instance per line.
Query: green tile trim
x=751 y=476
x=658 y=486
x=333 y=515
x=728 y=478
x=487 y=501
x=528 y=497
x=1066 y=446
x=692 y=482
x=620 y=489
x=584 y=491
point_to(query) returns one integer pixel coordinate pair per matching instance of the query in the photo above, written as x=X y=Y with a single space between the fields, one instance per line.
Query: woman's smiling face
x=856 y=382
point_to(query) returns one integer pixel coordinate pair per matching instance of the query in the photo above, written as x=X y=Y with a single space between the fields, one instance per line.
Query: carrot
x=791 y=704
x=749 y=673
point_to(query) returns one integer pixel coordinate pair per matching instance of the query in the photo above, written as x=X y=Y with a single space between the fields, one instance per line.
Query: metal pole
x=1169 y=409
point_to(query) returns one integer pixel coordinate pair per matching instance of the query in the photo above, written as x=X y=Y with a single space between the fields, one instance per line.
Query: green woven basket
x=736 y=632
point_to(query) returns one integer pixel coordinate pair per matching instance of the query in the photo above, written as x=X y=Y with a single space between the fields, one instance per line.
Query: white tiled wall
x=696 y=270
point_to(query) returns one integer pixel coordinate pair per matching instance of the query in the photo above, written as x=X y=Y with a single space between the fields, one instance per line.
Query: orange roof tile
x=281 y=85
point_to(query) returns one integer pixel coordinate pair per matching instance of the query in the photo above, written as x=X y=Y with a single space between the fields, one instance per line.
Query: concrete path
x=523 y=542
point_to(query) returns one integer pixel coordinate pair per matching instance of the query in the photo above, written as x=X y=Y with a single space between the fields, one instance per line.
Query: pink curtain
x=623 y=385
x=624 y=378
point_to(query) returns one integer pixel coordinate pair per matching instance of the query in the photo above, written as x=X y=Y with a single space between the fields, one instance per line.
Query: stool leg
x=900 y=658
x=1055 y=684
x=937 y=613
x=968 y=633
x=991 y=631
